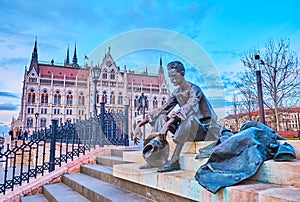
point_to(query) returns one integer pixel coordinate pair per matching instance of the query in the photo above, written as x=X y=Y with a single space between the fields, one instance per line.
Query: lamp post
x=36 y=115
x=95 y=77
x=143 y=104
x=95 y=71
x=259 y=90
x=299 y=123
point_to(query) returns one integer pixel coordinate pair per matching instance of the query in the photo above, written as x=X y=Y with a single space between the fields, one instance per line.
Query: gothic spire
x=67 y=59
x=75 y=58
x=161 y=69
x=34 y=52
x=34 y=59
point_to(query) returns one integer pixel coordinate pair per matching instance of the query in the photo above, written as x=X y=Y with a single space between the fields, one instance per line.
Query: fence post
x=102 y=134
x=126 y=125
x=52 y=144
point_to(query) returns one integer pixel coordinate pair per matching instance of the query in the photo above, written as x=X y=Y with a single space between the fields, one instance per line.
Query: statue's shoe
x=146 y=166
x=169 y=167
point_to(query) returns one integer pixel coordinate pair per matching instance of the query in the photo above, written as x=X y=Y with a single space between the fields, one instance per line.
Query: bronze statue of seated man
x=195 y=120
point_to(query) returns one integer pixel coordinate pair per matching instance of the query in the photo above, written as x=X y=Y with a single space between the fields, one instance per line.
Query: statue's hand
x=179 y=115
x=136 y=141
x=137 y=131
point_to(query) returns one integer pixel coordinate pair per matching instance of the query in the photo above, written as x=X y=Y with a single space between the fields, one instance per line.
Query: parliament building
x=66 y=92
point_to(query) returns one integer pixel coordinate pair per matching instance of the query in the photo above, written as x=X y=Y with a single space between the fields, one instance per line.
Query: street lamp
x=36 y=115
x=143 y=104
x=95 y=71
x=259 y=89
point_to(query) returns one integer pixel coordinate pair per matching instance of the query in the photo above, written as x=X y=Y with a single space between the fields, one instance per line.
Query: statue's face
x=175 y=77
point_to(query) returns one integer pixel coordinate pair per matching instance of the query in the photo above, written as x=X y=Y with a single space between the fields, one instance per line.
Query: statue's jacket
x=239 y=156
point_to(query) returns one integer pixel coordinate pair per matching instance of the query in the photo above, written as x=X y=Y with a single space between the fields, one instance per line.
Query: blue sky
x=223 y=29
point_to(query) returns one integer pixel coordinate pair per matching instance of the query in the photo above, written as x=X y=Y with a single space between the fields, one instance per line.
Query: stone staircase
x=117 y=177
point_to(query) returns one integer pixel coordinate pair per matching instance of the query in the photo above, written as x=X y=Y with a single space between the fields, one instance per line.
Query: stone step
x=97 y=190
x=99 y=172
x=34 y=198
x=193 y=147
x=254 y=191
x=187 y=159
x=189 y=148
x=284 y=173
x=182 y=183
x=105 y=174
x=110 y=160
x=61 y=192
x=117 y=152
x=189 y=163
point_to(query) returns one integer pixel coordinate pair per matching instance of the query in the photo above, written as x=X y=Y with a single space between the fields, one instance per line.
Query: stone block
x=284 y=173
x=133 y=156
x=189 y=163
x=131 y=172
x=256 y=191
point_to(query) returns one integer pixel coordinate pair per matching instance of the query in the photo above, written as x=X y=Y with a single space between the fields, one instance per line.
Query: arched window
x=98 y=97
x=112 y=98
x=104 y=97
x=163 y=101
x=112 y=74
x=136 y=101
x=44 y=97
x=81 y=99
x=43 y=122
x=57 y=98
x=155 y=103
x=69 y=98
x=29 y=123
x=31 y=96
x=120 y=99
x=104 y=75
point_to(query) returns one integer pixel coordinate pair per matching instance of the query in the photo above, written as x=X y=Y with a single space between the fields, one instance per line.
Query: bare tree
x=235 y=111
x=280 y=75
x=248 y=98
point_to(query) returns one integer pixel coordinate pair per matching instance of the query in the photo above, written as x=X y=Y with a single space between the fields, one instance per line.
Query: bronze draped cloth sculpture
x=239 y=156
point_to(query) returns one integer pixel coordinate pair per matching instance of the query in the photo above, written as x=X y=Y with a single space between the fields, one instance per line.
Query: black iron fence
x=22 y=160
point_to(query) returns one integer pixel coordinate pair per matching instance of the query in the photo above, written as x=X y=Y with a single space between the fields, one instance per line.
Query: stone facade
x=289 y=119
x=66 y=92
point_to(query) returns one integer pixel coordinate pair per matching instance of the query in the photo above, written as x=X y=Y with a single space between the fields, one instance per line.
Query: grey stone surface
x=62 y=193
x=110 y=160
x=97 y=190
x=34 y=198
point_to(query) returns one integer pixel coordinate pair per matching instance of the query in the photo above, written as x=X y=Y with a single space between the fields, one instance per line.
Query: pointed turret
x=74 y=64
x=67 y=62
x=161 y=69
x=34 y=52
x=161 y=75
x=34 y=58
